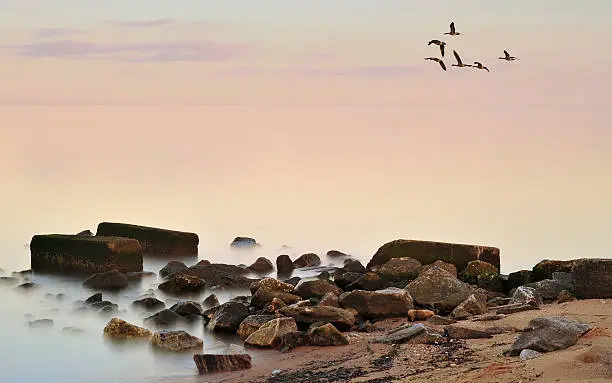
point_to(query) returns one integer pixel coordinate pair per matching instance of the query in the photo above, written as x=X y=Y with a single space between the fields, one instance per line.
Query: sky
x=312 y=123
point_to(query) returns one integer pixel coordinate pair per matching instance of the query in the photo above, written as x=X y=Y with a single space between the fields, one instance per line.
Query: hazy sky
x=312 y=123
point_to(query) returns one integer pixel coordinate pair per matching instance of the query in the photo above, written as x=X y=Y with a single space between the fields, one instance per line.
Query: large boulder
x=305 y=316
x=181 y=283
x=110 y=280
x=438 y=289
x=263 y=296
x=593 y=278
x=284 y=265
x=262 y=265
x=399 y=269
x=244 y=243
x=176 y=341
x=428 y=252
x=211 y=363
x=545 y=268
x=227 y=317
x=307 y=260
x=221 y=275
x=154 y=241
x=271 y=333
x=378 y=304
x=171 y=268
x=550 y=333
x=316 y=288
x=272 y=284
x=119 y=329
x=251 y=324
x=74 y=254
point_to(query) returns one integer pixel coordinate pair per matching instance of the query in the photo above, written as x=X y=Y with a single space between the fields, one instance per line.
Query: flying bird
x=452 y=30
x=437 y=60
x=507 y=57
x=459 y=64
x=480 y=66
x=439 y=43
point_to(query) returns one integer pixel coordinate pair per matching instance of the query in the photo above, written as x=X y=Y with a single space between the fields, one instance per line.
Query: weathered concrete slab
x=154 y=241
x=74 y=254
x=428 y=252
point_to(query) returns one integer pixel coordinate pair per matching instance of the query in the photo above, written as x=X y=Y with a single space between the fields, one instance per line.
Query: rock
x=307 y=260
x=440 y=320
x=545 y=334
x=546 y=288
x=73 y=330
x=304 y=303
x=154 y=241
x=187 y=308
x=514 y=308
x=527 y=354
x=352 y=266
x=369 y=282
x=120 y=329
x=336 y=254
x=498 y=301
x=565 y=296
x=305 y=316
x=329 y=299
x=565 y=279
x=324 y=336
x=241 y=299
x=41 y=323
x=518 y=278
x=109 y=280
x=428 y=252
x=452 y=269
x=102 y=304
x=227 y=317
x=97 y=297
x=139 y=275
x=275 y=305
x=176 y=341
x=221 y=275
x=244 y=243
x=293 y=281
x=211 y=363
x=316 y=288
x=491 y=282
x=272 y=284
x=378 y=304
x=211 y=301
x=164 y=318
x=171 y=268
x=270 y=334
x=85 y=233
x=438 y=289
x=417 y=333
x=593 y=278
x=149 y=304
x=457 y=332
x=344 y=279
x=398 y=269
x=264 y=296
x=324 y=275
x=420 y=315
x=252 y=323
x=284 y=265
x=27 y=286
x=473 y=305
x=544 y=269
x=476 y=268
x=526 y=296
x=181 y=283
x=262 y=266
x=72 y=254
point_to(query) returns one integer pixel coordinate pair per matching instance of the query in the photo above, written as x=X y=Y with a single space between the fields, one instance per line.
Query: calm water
x=52 y=355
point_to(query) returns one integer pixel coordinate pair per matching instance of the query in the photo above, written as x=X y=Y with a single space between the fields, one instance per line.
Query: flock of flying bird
x=460 y=63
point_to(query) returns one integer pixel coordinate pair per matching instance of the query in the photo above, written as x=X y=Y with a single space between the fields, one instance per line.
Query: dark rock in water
x=251 y=324
x=221 y=275
x=110 y=280
x=171 y=268
x=181 y=283
x=27 y=286
x=284 y=265
x=41 y=323
x=324 y=275
x=244 y=243
x=8 y=281
x=102 y=304
x=457 y=332
x=71 y=254
x=211 y=363
x=176 y=341
x=428 y=252
x=149 y=304
x=139 y=275
x=187 y=308
x=439 y=289
x=549 y=333
x=97 y=297
x=336 y=254
x=324 y=336
x=211 y=301
x=518 y=278
x=262 y=266
x=271 y=284
x=593 y=278
x=293 y=281
x=119 y=329
x=264 y=296
x=544 y=269
x=378 y=304
x=164 y=318
x=227 y=317
x=85 y=233
x=73 y=330
x=307 y=260
x=60 y=296
x=305 y=316
x=345 y=279
x=316 y=288
x=353 y=266
x=154 y=241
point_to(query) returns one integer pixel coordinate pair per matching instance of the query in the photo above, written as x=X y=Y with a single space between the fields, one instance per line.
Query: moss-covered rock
x=544 y=269
x=73 y=254
x=477 y=268
x=154 y=241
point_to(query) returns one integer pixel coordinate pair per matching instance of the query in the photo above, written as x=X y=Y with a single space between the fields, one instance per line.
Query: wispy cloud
x=140 y=52
x=43 y=33
x=143 y=23
x=380 y=71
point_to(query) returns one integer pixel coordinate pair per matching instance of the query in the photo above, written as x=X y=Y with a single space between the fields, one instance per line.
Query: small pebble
x=276 y=372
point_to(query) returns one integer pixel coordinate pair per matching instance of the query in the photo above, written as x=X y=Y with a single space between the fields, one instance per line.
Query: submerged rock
x=550 y=333
x=41 y=323
x=176 y=341
x=244 y=243
x=307 y=260
x=149 y=304
x=180 y=283
x=119 y=329
x=171 y=268
x=211 y=363
x=110 y=280
x=284 y=265
x=164 y=318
